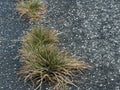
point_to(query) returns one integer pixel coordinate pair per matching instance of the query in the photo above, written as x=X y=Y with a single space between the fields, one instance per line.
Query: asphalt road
x=11 y=29
x=90 y=29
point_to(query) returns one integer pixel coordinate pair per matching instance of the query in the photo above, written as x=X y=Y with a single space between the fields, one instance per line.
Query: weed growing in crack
x=44 y=62
x=34 y=9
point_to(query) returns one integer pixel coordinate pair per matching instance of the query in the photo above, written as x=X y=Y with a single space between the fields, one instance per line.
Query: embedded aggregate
x=90 y=29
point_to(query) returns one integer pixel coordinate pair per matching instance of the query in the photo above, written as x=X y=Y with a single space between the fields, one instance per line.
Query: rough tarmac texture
x=11 y=28
x=91 y=30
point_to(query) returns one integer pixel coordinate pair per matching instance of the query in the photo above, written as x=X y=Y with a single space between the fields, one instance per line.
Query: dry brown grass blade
x=45 y=62
x=34 y=9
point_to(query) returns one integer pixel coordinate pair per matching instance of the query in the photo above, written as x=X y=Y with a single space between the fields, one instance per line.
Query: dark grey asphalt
x=91 y=29
x=11 y=28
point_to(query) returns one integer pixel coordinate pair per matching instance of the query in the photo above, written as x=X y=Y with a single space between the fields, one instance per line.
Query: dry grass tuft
x=43 y=62
x=34 y=9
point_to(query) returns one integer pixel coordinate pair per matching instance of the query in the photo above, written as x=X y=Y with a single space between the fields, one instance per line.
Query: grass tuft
x=43 y=62
x=40 y=37
x=34 y=9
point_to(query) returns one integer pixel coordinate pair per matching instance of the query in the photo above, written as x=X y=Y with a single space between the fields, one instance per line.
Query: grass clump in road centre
x=33 y=9
x=44 y=62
